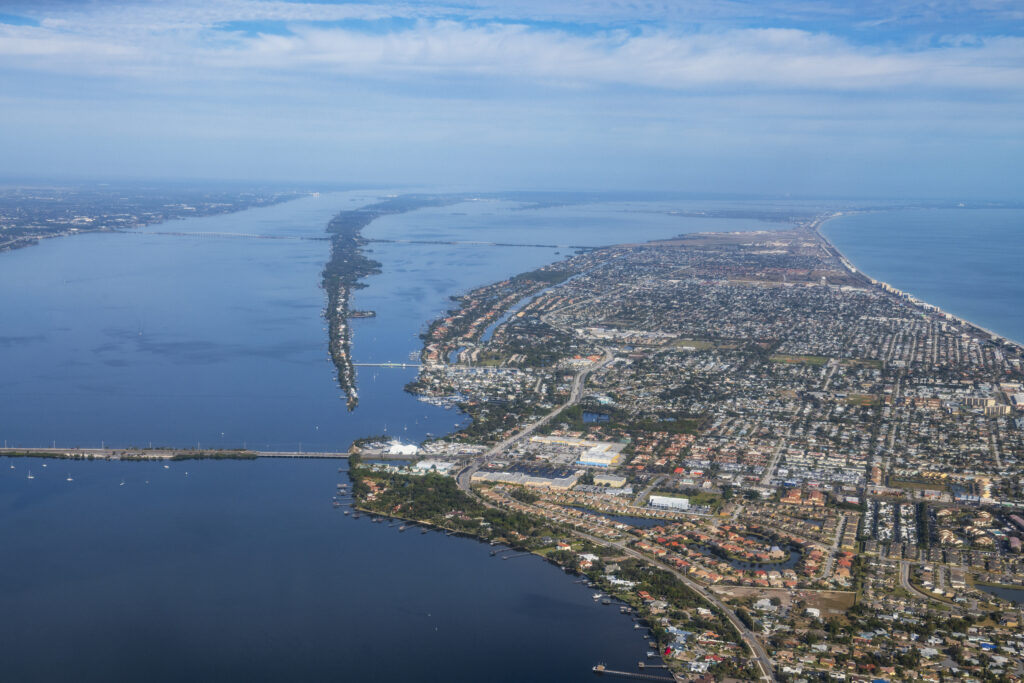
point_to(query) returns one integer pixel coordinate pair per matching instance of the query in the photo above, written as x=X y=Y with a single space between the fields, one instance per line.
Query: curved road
x=575 y=393
x=760 y=654
x=465 y=478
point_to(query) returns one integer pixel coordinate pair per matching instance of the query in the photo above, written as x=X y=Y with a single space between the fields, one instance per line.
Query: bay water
x=243 y=570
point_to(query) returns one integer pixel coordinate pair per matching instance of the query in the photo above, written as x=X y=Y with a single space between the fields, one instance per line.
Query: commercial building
x=613 y=480
x=669 y=503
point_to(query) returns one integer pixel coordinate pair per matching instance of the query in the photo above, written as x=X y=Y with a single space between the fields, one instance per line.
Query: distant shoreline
x=22 y=241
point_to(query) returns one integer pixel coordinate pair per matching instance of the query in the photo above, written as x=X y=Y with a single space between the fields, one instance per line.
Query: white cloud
x=161 y=42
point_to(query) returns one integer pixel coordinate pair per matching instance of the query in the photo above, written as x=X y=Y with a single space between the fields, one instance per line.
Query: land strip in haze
x=30 y=214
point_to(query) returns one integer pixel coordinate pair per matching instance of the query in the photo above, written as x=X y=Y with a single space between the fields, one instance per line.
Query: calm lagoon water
x=966 y=261
x=1012 y=594
x=243 y=570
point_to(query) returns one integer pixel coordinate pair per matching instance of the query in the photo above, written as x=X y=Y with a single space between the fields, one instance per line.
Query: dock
x=603 y=671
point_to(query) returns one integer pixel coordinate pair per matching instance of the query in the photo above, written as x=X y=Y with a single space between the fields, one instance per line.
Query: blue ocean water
x=969 y=262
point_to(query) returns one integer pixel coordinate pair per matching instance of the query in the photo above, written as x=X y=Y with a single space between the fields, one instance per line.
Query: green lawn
x=805 y=360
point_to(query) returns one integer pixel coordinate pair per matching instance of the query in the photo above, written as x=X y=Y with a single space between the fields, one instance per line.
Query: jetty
x=604 y=671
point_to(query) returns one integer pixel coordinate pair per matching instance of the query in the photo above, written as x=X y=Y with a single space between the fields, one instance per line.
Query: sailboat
x=122 y=482
x=30 y=475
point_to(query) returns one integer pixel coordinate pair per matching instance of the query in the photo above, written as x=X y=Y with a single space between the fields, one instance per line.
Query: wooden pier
x=602 y=670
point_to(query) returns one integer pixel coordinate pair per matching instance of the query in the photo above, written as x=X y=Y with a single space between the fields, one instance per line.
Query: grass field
x=866 y=362
x=805 y=360
x=698 y=344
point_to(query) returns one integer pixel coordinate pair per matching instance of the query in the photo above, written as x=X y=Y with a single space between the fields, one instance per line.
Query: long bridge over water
x=161 y=453
x=387 y=365
x=327 y=238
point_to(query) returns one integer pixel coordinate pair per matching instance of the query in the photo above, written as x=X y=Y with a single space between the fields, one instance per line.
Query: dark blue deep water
x=243 y=571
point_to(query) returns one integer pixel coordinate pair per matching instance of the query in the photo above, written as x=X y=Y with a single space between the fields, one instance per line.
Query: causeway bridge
x=162 y=453
x=387 y=365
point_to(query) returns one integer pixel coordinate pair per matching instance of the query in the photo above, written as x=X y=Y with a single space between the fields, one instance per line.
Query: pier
x=600 y=669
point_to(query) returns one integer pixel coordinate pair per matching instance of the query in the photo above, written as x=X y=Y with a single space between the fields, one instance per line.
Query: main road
x=575 y=393
x=465 y=478
x=764 y=662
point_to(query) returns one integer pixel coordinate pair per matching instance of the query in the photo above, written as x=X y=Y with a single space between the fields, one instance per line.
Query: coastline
x=816 y=227
x=23 y=241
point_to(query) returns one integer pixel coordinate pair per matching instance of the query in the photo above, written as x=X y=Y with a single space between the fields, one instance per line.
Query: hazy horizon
x=898 y=99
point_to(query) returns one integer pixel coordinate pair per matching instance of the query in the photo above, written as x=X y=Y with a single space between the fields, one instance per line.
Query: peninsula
x=785 y=467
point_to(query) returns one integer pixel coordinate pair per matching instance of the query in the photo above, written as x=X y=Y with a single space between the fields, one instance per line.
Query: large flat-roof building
x=669 y=503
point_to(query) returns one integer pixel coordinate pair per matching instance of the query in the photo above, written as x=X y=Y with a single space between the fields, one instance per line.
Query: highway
x=834 y=548
x=575 y=393
x=642 y=496
x=769 y=471
x=764 y=662
x=465 y=478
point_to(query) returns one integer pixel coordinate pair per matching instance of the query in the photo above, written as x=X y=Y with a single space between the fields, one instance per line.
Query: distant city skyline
x=895 y=99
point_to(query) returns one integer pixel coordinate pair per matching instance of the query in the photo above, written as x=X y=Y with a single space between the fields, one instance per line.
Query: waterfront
x=1015 y=595
x=965 y=261
x=243 y=570
x=132 y=339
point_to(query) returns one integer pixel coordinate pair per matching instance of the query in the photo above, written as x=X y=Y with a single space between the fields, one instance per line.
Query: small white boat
x=44 y=464
x=122 y=482
x=69 y=477
x=30 y=475
x=167 y=467
x=598 y=596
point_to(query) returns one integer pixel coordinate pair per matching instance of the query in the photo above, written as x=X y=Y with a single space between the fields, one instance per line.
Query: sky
x=893 y=98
